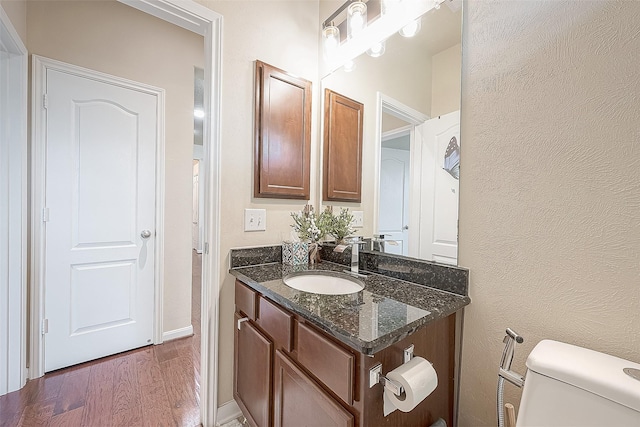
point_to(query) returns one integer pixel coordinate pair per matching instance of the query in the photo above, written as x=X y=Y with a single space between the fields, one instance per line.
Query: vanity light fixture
x=356 y=18
x=377 y=49
x=395 y=16
x=411 y=29
x=330 y=40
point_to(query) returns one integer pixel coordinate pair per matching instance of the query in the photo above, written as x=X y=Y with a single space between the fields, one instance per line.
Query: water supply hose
x=501 y=402
x=505 y=372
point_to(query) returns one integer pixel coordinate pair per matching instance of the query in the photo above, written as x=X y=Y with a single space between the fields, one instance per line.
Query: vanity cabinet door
x=342 y=160
x=299 y=401
x=252 y=373
x=282 y=134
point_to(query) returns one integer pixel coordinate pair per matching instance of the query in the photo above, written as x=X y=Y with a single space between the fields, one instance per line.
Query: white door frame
x=13 y=209
x=40 y=66
x=386 y=104
x=201 y=20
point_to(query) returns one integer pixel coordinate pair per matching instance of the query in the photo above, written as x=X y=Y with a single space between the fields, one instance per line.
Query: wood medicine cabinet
x=342 y=164
x=282 y=134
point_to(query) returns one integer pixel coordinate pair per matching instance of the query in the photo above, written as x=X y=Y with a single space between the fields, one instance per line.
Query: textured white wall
x=131 y=44
x=550 y=183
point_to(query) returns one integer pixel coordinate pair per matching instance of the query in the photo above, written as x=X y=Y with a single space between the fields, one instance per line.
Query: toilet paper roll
x=417 y=377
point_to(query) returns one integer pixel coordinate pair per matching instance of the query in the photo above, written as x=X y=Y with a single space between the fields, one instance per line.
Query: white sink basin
x=326 y=283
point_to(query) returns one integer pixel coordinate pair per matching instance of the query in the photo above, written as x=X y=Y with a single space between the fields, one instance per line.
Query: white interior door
x=100 y=217
x=439 y=225
x=394 y=199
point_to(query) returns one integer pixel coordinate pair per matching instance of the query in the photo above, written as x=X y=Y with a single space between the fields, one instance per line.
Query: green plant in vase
x=312 y=228
x=341 y=225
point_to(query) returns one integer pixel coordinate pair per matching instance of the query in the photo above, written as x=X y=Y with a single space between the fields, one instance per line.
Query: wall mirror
x=411 y=136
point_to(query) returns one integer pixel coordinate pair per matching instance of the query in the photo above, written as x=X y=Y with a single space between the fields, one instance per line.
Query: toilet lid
x=589 y=370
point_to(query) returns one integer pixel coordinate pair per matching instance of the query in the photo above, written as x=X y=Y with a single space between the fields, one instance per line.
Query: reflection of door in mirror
x=439 y=200
x=393 y=208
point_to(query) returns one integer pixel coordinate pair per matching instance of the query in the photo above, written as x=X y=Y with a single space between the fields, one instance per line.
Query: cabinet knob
x=244 y=319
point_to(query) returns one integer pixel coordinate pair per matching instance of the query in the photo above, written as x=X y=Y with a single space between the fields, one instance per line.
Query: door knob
x=406 y=227
x=145 y=234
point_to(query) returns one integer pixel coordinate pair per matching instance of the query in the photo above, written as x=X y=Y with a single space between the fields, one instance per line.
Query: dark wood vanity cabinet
x=289 y=373
x=342 y=155
x=282 y=134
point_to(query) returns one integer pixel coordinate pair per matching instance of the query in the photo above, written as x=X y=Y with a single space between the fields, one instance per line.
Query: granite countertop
x=385 y=312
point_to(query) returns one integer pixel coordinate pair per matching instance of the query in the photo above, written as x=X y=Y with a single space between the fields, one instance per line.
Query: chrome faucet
x=355 y=243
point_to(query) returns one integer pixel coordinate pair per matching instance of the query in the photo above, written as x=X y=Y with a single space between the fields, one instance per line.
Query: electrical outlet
x=255 y=219
x=358 y=219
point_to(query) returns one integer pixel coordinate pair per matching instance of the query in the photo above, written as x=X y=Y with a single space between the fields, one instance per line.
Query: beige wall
x=283 y=34
x=17 y=12
x=116 y=39
x=550 y=184
x=445 y=77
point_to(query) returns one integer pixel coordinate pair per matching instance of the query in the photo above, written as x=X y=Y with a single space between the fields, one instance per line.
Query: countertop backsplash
x=427 y=273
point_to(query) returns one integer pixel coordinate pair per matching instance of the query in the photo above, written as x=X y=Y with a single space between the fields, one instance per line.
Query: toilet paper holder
x=376 y=376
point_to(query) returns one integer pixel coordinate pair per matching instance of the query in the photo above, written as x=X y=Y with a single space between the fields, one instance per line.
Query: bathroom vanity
x=305 y=356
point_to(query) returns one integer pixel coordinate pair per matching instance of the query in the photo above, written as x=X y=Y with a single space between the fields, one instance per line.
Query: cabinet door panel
x=283 y=134
x=252 y=373
x=342 y=165
x=299 y=401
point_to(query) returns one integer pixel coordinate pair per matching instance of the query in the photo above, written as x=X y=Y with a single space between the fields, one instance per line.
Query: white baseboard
x=227 y=412
x=177 y=333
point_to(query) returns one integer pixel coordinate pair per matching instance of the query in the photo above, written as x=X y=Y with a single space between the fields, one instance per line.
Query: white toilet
x=572 y=386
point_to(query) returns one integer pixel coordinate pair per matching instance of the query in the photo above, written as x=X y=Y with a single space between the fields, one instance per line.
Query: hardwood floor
x=151 y=386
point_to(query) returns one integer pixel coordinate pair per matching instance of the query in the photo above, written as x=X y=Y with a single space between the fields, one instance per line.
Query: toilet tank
x=573 y=386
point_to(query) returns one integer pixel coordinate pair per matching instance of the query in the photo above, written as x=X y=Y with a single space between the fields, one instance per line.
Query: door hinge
x=45 y=101
x=45 y=214
x=45 y=326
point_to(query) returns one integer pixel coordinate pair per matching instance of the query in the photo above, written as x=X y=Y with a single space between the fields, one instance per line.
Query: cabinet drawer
x=330 y=363
x=298 y=400
x=246 y=300
x=277 y=323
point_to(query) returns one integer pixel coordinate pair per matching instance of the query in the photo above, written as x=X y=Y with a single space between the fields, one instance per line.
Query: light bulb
x=411 y=29
x=331 y=40
x=376 y=50
x=349 y=66
x=198 y=113
x=356 y=18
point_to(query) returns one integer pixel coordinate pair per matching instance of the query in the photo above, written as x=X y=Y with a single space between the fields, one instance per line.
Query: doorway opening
x=205 y=22
x=398 y=139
